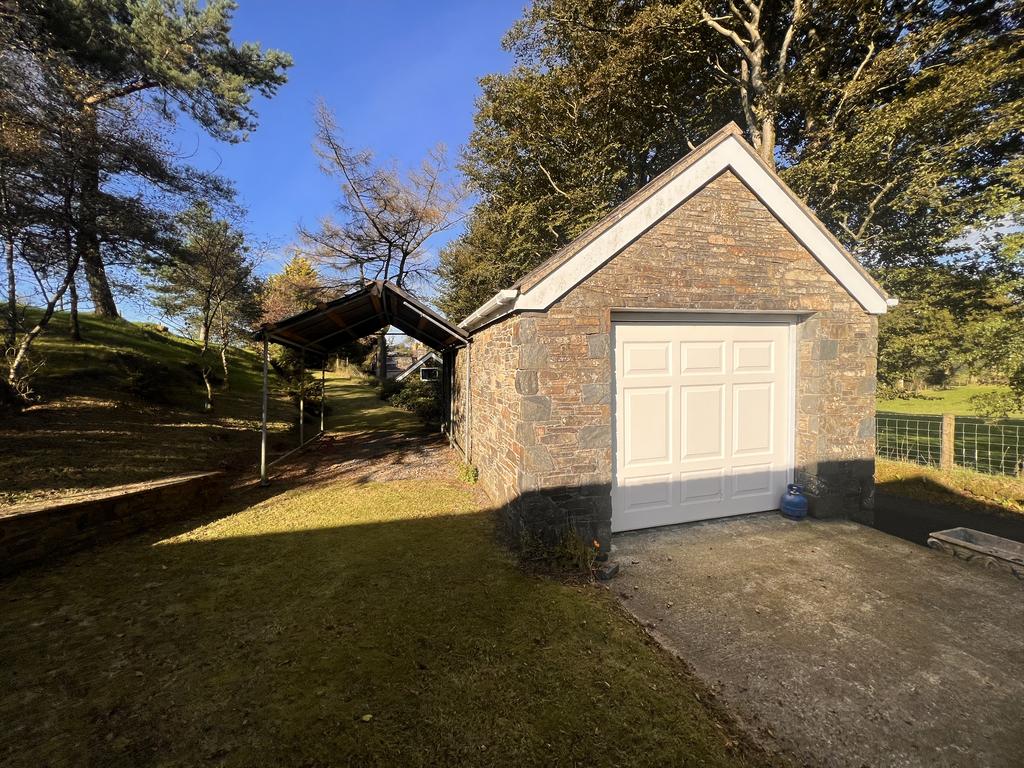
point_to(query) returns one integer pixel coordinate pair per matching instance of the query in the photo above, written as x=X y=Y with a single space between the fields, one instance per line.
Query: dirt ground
x=836 y=643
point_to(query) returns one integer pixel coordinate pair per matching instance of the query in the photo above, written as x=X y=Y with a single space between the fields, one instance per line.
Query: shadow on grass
x=373 y=624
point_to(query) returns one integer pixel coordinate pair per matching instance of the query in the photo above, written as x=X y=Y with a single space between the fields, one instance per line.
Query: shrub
x=997 y=405
x=469 y=473
x=890 y=392
x=563 y=553
x=421 y=397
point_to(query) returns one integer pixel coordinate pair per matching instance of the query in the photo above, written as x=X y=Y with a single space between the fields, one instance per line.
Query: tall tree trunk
x=224 y=362
x=88 y=228
x=12 y=296
x=74 y=326
x=204 y=369
x=767 y=144
x=382 y=355
x=14 y=380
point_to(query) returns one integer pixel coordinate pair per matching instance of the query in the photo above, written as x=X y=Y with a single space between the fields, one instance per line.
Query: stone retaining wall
x=34 y=533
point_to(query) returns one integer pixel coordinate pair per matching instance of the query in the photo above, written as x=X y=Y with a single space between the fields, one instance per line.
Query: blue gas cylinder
x=794 y=503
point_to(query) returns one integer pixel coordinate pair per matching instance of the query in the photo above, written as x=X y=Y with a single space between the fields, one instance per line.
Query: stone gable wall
x=721 y=250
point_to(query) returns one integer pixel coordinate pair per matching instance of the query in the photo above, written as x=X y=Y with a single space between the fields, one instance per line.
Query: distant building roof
x=423 y=362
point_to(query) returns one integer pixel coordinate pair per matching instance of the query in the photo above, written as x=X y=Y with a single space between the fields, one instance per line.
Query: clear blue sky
x=401 y=76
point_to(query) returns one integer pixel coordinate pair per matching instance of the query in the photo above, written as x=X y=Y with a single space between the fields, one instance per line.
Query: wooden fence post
x=946 y=448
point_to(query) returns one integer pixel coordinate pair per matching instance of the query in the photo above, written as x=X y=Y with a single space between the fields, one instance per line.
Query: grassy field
x=343 y=622
x=959 y=487
x=955 y=400
x=125 y=405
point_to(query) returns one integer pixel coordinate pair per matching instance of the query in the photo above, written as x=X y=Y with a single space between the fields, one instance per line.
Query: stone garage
x=685 y=358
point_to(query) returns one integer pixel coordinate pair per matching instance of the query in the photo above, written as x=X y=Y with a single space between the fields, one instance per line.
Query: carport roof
x=366 y=310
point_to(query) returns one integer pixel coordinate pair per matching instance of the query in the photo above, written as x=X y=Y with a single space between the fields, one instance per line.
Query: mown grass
x=955 y=400
x=125 y=405
x=354 y=406
x=348 y=623
x=960 y=487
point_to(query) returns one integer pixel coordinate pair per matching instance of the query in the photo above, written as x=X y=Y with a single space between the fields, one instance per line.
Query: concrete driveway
x=836 y=643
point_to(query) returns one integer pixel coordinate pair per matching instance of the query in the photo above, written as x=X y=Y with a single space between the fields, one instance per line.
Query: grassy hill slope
x=125 y=405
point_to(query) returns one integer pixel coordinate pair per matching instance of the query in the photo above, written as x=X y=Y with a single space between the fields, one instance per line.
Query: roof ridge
x=641 y=194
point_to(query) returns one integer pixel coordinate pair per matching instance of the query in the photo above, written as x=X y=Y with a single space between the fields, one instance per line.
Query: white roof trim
x=419 y=364
x=501 y=300
x=731 y=153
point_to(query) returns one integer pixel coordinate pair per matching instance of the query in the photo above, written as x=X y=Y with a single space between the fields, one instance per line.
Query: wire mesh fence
x=917 y=439
x=995 y=448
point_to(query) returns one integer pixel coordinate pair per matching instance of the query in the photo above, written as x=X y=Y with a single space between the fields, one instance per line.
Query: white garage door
x=702 y=420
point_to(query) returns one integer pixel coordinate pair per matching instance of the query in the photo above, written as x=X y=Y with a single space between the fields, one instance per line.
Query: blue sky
x=400 y=75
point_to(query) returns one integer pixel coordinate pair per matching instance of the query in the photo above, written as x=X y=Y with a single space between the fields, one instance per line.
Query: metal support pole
x=263 y=425
x=469 y=404
x=302 y=396
x=323 y=392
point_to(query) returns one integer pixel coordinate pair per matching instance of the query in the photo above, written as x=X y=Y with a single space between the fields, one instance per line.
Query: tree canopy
x=90 y=181
x=208 y=286
x=384 y=218
x=136 y=63
x=898 y=122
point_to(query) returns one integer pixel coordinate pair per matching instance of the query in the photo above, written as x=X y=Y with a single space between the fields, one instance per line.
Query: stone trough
x=976 y=546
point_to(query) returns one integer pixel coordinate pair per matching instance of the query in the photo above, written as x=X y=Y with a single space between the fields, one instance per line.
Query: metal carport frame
x=368 y=309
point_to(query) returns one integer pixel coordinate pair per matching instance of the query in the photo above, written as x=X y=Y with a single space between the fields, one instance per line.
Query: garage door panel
x=752 y=480
x=702 y=420
x=648 y=425
x=649 y=493
x=647 y=358
x=702 y=487
x=753 y=418
x=702 y=429
x=753 y=356
x=702 y=357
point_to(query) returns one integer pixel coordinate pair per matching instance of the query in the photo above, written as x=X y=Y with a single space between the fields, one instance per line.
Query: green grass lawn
x=955 y=400
x=340 y=623
x=353 y=406
x=125 y=405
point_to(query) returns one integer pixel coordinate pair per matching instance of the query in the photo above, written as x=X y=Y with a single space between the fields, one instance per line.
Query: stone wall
x=720 y=250
x=494 y=411
x=35 y=533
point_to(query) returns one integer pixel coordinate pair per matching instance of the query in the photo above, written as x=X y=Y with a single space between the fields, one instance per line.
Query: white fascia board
x=729 y=154
x=503 y=299
x=417 y=365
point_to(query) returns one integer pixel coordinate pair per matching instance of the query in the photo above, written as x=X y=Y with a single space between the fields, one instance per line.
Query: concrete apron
x=836 y=643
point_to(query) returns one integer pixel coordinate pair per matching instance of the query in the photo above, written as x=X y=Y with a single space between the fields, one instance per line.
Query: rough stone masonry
x=541 y=382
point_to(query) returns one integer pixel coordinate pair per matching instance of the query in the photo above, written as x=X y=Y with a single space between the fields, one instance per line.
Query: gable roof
x=375 y=305
x=429 y=357
x=725 y=150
